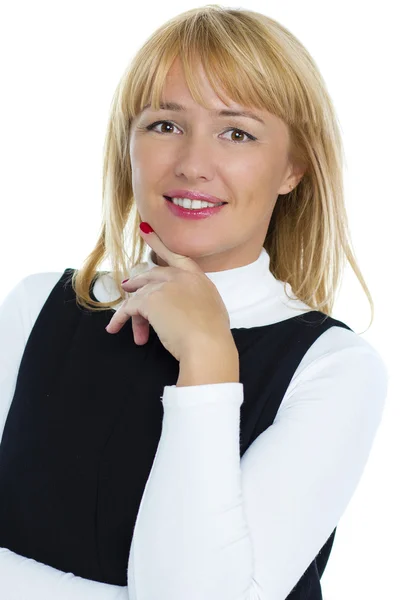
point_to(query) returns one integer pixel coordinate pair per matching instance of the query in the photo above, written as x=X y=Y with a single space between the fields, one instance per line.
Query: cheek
x=256 y=181
x=150 y=167
x=143 y=177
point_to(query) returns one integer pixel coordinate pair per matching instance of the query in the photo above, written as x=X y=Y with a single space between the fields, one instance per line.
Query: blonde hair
x=256 y=62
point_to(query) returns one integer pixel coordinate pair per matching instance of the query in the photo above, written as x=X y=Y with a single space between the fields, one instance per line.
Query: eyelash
x=251 y=137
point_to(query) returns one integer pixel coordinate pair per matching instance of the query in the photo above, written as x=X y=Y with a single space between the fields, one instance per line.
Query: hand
x=180 y=301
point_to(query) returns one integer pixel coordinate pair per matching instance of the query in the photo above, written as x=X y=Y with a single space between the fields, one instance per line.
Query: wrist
x=209 y=363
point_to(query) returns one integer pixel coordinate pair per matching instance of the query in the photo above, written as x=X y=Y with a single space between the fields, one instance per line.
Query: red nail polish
x=124 y=280
x=145 y=227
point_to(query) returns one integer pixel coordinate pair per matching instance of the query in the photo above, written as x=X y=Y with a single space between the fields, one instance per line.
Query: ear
x=294 y=176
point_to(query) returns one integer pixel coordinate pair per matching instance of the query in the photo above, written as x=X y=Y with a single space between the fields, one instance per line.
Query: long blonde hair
x=256 y=62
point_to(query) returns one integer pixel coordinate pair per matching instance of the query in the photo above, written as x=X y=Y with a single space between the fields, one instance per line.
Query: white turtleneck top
x=288 y=497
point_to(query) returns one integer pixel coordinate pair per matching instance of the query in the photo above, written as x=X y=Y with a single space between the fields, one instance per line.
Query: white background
x=60 y=64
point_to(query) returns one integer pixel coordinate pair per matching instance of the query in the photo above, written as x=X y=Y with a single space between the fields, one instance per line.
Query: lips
x=170 y=199
x=193 y=214
x=193 y=195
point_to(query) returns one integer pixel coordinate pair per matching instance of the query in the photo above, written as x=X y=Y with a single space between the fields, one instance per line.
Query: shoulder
x=343 y=370
x=343 y=348
x=23 y=303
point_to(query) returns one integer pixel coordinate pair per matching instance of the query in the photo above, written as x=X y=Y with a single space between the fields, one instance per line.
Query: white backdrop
x=60 y=64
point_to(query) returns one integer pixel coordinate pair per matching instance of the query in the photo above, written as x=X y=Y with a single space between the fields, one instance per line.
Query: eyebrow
x=221 y=113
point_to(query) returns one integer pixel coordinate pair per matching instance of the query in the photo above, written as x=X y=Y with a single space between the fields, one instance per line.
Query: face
x=202 y=151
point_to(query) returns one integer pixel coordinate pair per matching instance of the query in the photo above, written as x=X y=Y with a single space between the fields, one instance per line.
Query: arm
x=211 y=526
x=22 y=578
x=25 y=579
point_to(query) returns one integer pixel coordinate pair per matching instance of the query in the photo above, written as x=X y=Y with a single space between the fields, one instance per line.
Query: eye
x=250 y=137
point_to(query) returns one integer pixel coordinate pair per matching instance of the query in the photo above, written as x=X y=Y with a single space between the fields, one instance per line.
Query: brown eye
x=238 y=132
x=166 y=124
x=153 y=125
x=169 y=124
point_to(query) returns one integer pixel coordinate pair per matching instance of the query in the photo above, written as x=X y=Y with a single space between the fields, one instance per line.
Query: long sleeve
x=212 y=526
x=22 y=578
x=25 y=579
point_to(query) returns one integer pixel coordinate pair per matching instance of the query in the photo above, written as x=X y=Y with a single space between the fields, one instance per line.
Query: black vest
x=85 y=422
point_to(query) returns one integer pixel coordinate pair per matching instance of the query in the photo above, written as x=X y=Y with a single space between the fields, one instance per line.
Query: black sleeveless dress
x=84 y=425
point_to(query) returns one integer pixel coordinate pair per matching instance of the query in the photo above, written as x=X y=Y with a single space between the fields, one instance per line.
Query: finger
x=172 y=258
x=140 y=332
x=156 y=274
x=118 y=319
x=123 y=314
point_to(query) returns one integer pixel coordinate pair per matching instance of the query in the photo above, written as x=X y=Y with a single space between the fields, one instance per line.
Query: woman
x=205 y=444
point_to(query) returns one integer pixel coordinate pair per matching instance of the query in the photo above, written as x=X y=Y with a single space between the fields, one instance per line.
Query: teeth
x=194 y=204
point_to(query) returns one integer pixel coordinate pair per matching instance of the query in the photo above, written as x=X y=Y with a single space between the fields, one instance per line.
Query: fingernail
x=145 y=227
x=124 y=280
